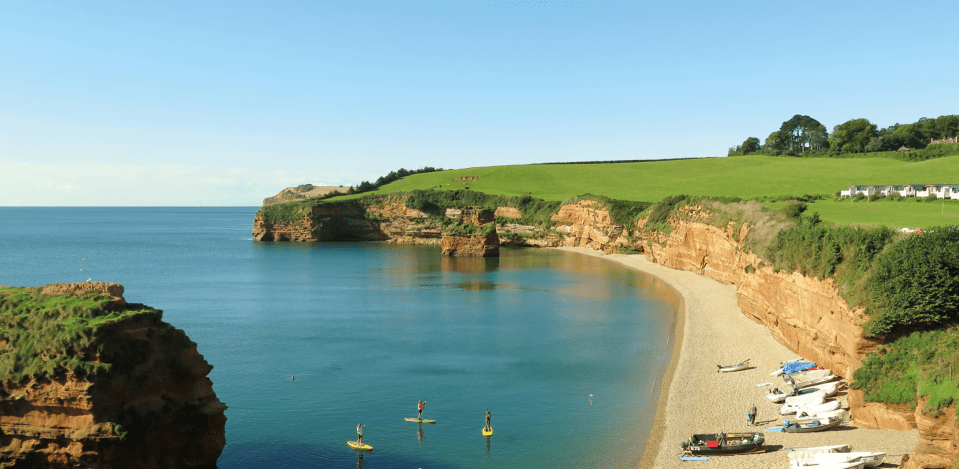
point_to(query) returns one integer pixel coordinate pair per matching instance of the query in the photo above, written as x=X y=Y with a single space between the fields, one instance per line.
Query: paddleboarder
x=419 y=408
x=359 y=434
x=487 y=421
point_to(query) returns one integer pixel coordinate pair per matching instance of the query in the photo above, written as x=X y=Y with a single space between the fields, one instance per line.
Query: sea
x=566 y=351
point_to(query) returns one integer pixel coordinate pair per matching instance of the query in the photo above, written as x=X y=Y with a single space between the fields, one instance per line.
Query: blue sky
x=225 y=103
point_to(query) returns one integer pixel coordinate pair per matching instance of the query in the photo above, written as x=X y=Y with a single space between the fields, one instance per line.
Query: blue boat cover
x=693 y=458
x=798 y=366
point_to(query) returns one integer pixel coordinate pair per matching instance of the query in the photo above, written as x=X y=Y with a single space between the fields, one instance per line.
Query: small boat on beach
x=825 y=460
x=777 y=395
x=793 y=367
x=809 y=426
x=736 y=367
x=810 y=409
x=719 y=444
x=800 y=453
x=814 y=464
x=809 y=378
x=805 y=413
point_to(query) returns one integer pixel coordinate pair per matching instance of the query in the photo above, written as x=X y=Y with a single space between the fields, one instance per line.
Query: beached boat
x=819 y=460
x=814 y=464
x=807 y=373
x=810 y=409
x=793 y=367
x=805 y=414
x=813 y=425
x=810 y=378
x=719 y=444
x=812 y=398
x=801 y=453
x=777 y=395
x=736 y=367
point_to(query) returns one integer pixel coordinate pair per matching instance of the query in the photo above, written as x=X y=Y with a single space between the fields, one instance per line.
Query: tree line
x=803 y=135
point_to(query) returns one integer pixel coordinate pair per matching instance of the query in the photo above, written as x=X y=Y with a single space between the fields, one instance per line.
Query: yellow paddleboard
x=364 y=446
x=487 y=433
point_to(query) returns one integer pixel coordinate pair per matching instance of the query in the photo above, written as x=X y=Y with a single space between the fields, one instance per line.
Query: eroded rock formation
x=155 y=408
x=472 y=235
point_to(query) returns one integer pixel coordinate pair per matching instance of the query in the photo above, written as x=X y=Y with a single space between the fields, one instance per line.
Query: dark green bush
x=915 y=283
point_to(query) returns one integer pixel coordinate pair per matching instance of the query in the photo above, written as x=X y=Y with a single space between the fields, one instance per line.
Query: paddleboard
x=488 y=433
x=364 y=446
x=414 y=419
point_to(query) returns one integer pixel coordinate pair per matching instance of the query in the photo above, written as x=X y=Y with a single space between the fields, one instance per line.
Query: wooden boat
x=808 y=426
x=718 y=444
x=779 y=396
x=736 y=367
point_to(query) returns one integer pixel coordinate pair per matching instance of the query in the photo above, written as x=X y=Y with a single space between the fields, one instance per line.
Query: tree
x=852 y=136
x=907 y=136
x=772 y=142
x=801 y=132
x=751 y=145
x=947 y=126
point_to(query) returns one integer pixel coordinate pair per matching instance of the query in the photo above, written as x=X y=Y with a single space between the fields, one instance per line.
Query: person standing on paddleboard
x=419 y=407
x=487 y=421
x=359 y=434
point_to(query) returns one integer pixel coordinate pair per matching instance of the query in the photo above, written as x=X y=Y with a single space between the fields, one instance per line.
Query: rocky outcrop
x=351 y=221
x=587 y=224
x=937 y=439
x=154 y=407
x=472 y=235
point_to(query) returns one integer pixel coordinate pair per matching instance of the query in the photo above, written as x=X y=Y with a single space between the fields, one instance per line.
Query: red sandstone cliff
x=162 y=400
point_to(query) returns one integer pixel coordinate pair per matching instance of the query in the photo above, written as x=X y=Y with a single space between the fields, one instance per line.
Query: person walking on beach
x=419 y=407
x=751 y=416
x=487 y=421
x=359 y=434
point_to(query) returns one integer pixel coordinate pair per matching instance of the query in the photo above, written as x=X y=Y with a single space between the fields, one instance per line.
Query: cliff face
x=805 y=314
x=154 y=408
x=937 y=440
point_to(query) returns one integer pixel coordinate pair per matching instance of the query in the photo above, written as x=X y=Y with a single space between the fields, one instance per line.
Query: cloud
x=101 y=184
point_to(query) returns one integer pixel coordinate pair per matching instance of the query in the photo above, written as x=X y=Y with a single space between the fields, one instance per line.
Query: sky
x=224 y=103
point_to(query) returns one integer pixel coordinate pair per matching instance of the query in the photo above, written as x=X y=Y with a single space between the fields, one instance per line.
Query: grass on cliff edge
x=44 y=335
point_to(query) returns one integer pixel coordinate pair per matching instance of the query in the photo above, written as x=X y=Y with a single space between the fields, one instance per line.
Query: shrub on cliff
x=923 y=363
x=915 y=283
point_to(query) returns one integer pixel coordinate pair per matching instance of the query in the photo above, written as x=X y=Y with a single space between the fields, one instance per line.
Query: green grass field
x=905 y=213
x=752 y=176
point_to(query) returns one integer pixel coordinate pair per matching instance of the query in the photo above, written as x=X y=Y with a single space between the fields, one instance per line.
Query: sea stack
x=473 y=234
x=89 y=380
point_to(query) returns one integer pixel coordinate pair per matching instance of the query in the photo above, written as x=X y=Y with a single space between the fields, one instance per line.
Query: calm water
x=370 y=328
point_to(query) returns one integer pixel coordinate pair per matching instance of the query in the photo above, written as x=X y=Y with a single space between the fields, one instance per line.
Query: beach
x=695 y=398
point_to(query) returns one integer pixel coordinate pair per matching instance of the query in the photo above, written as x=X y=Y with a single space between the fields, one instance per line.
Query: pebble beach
x=711 y=330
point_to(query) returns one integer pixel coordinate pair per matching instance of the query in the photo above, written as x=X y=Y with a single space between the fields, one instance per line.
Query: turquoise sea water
x=370 y=328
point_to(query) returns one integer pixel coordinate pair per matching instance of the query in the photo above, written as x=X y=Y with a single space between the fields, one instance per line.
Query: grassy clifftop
x=42 y=335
